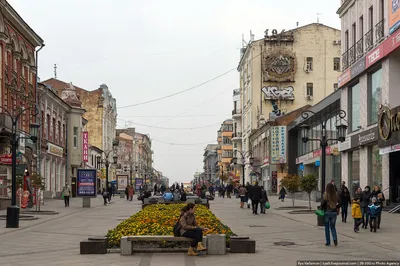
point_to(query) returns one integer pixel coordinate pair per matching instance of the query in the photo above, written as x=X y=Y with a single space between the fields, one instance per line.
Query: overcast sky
x=144 y=50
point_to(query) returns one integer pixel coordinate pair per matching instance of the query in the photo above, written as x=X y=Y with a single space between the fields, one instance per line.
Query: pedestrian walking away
x=264 y=200
x=329 y=205
x=256 y=195
x=345 y=201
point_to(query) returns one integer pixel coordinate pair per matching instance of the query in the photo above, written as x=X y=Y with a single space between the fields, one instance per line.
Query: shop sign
x=357 y=68
x=389 y=126
x=7 y=158
x=314 y=154
x=389 y=149
x=344 y=78
x=364 y=138
x=266 y=161
x=85 y=146
x=55 y=150
x=391 y=43
x=345 y=145
x=393 y=15
x=278 y=145
x=374 y=56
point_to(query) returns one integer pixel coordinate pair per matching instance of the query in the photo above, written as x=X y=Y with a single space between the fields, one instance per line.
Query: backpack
x=177 y=228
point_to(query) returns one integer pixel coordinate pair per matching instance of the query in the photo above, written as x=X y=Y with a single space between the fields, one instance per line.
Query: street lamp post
x=107 y=162
x=324 y=141
x=243 y=154
x=13 y=210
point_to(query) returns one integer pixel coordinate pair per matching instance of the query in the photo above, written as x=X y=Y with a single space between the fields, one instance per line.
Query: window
x=381 y=10
x=310 y=89
x=361 y=26
x=64 y=135
x=75 y=137
x=354 y=171
x=374 y=95
x=42 y=122
x=375 y=166
x=226 y=141
x=227 y=154
x=336 y=64
x=335 y=86
x=371 y=18
x=354 y=33
x=346 y=40
x=354 y=105
x=48 y=127
x=309 y=63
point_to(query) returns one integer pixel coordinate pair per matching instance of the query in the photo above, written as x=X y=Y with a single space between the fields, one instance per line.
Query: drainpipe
x=67 y=178
x=38 y=144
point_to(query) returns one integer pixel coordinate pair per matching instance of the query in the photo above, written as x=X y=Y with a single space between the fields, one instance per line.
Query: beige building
x=283 y=72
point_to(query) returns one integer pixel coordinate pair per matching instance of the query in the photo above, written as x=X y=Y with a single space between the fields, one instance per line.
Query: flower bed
x=159 y=219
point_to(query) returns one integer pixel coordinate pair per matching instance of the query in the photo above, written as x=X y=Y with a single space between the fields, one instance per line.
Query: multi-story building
x=101 y=114
x=210 y=159
x=125 y=152
x=269 y=146
x=225 y=149
x=285 y=71
x=94 y=162
x=369 y=94
x=144 y=157
x=18 y=68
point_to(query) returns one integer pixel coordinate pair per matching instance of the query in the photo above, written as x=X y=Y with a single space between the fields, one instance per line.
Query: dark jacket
x=378 y=200
x=345 y=198
x=264 y=197
x=365 y=199
x=256 y=193
x=248 y=189
x=325 y=207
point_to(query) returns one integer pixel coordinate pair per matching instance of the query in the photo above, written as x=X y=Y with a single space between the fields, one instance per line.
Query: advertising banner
x=86 y=183
x=394 y=15
x=122 y=182
x=85 y=146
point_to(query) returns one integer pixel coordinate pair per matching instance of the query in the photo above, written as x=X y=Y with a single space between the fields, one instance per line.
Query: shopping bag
x=267 y=205
x=320 y=212
x=62 y=195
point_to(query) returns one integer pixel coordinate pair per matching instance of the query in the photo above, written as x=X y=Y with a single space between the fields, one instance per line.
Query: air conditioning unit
x=307 y=70
x=337 y=42
x=309 y=97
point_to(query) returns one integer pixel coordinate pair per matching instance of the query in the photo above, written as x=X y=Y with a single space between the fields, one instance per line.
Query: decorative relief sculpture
x=280 y=65
x=275 y=93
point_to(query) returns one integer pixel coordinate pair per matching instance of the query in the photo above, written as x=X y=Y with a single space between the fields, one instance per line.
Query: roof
x=59 y=85
x=292 y=30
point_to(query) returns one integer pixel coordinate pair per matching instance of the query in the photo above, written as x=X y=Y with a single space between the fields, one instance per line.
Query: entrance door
x=394 y=176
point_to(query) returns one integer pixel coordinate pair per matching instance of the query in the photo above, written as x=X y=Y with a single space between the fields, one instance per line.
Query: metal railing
x=360 y=48
x=369 y=40
x=236 y=112
x=352 y=55
x=237 y=135
x=379 y=34
x=345 y=60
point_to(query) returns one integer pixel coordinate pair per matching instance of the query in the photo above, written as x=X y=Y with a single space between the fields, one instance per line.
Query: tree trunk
x=309 y=200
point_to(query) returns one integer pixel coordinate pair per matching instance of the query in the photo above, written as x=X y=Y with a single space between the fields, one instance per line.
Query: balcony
x=236 y=113
x=379 y=34
x=345 y=61
x=352 y=55
x=237 y=136
x=236 y=92
x=360 y=48
x=369 y=40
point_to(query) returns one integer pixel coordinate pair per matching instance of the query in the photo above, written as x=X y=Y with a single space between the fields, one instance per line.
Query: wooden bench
x=127 y=242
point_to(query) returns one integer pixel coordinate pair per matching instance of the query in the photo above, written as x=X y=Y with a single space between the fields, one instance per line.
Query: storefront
x=364 y=164
x=389 y=150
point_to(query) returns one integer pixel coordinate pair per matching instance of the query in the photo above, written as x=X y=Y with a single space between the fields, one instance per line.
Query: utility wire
x=168 y=116
x=170 y=128
x=181 y=144
x=179 y=92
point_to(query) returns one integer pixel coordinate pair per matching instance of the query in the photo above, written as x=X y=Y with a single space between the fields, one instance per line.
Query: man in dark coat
x=256 y=195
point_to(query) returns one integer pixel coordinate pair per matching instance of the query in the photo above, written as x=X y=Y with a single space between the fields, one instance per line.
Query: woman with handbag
x=190 y=229
x=329 y=206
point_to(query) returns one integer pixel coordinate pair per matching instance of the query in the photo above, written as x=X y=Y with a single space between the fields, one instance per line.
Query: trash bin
x=320 y=219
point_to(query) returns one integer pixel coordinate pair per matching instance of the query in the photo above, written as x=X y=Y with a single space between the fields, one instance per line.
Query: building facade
x=101 y=114
x=305 y=158
x=269 y=146
x=371 y=62
x=286 y=71
x=225 y=150
x=18 y=67
x=94 y=162
x=125 y=152
x=144 y=157
x=210 y=159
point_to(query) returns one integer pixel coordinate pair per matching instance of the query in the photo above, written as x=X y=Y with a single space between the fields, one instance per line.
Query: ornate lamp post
x=243 y=157
x=13 y=210
x=324 y=141
x=107 y=162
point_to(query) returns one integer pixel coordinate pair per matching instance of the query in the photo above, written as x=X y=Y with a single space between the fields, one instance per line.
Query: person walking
x=380 y=198
x=256 y=195
x=282 y=194
x=356 y=213
x=365 y=199
x=328 y=205
x=127 y=192
x=67 y=193
x=131 y=192
x=264 y=200
x=242 y=195
x=345 y=201
x=190 y=229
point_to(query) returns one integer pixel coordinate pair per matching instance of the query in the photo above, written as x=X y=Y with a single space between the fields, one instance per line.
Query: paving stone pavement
x=54 y=240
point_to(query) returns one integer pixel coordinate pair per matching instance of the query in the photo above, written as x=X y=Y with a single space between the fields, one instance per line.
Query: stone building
x=144 y=157
x=225 y=150
x=101 y=114
x=94 y=162
x=18 y=67
x=210 y=159
x=125 y=152
x=370 y=95
x=283 y=72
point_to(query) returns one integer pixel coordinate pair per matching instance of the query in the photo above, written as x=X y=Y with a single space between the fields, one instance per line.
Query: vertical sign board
x=394 y=15
x=85 y=146
x=138 y=183
x=122 y=182
x=87 y=183
x=278 y=145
